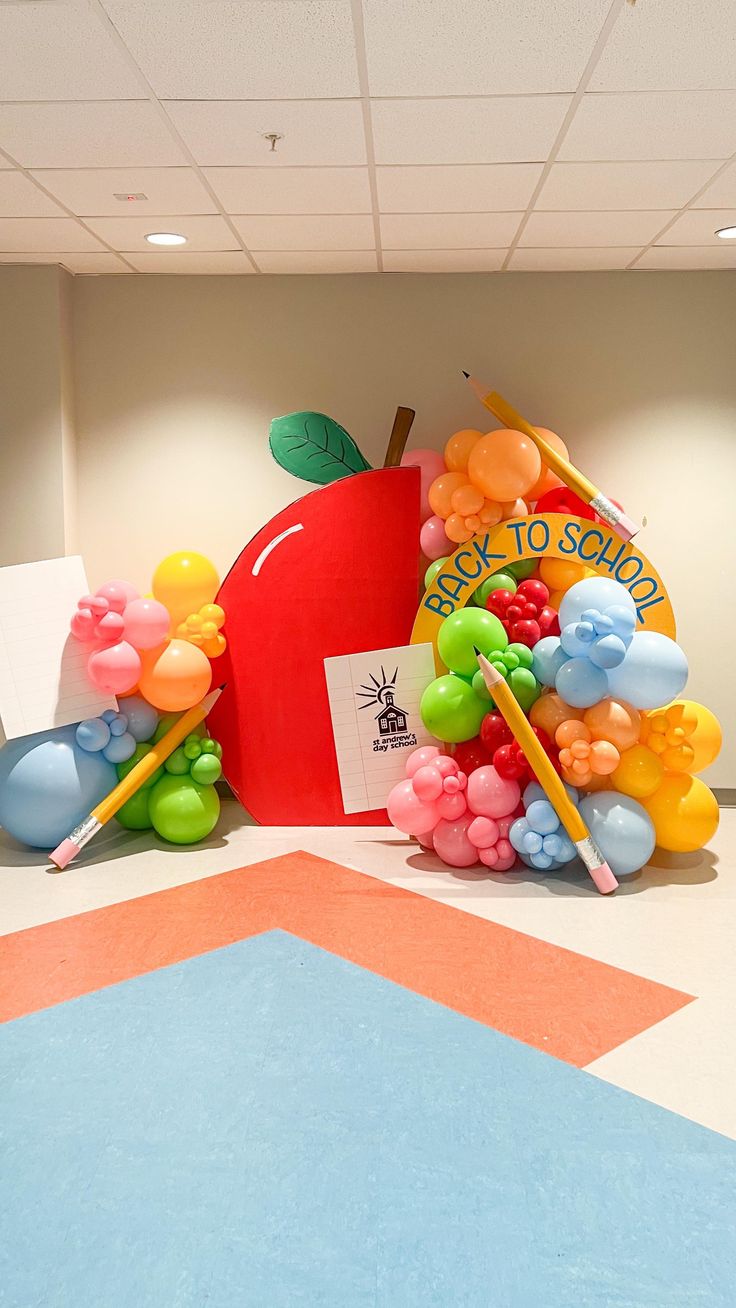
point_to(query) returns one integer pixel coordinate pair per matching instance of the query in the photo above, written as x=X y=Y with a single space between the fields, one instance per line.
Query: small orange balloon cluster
x=490 y=478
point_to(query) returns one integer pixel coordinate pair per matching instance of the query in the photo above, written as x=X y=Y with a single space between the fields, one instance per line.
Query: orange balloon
x=684 y=812
x=555 y=598
x=604 y=757
x=504 y=464
x=467 y=499
x=457 y=528
x=549 y=711
x=569 y=731
x=175 y=676
x=514 y=509
x=614 y=720
x=457 y=449
x=491 y=513
x=639 y=772
x=560 y=574
x=441 y=492
x=547 y=479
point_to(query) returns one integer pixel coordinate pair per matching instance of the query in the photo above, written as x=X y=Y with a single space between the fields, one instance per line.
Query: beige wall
x=176 y=380
x=35 y=441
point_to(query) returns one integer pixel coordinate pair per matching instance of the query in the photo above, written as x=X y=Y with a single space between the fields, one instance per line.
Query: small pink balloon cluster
x=465 y=819
x=118 y=623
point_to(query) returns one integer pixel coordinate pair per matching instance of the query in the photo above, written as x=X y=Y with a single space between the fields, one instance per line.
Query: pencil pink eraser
x=626 y=527
x=603 y=878
x=64 y=853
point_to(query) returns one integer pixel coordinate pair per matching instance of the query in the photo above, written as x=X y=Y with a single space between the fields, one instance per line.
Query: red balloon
x=533 y=592
x=510 y=763
x=549 y=622
x=498 y=602
x=563 y=500
x=471 y=754
x=494 y=732
x=526 y=631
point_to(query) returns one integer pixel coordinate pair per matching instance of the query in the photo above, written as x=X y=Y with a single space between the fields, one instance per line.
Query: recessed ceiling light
x=166 y=238
x=727 y=233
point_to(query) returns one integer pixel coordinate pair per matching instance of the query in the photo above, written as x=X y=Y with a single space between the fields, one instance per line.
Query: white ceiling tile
x=106 y=134
x=19 y=198
x=630 y=185
x=510 y=129
x=227 y=132
x=670 y=45
x=74 y=262
x=254 y=49
x=42 y=234
x=579 y=260
x=699 y=227
x=653 y=125
x=316 y=261
x=627 y=227
x=209 y=232
x=721 y=194
x=690 y=256
x=92 y=191
x=430 y=47
x=431 y=261
x=199 y=264
x=307 y=231
x=291 y=190
x=61 y=51
x=445 y=231
x=463 y=188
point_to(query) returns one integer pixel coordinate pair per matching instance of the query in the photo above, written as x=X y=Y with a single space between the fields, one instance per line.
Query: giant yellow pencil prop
x=145 y=768
x=548 y=779
x=566 y=471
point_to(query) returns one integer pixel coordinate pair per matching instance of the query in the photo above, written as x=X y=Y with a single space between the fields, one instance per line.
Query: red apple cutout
x=334 y=573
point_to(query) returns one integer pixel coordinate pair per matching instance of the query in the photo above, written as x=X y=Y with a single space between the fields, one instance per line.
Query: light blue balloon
x=580 y=683
x=142 y=717
x=534 y=791
x=118 y=724
x=120 y=748
x=624 y=621
x=542 y=817
x=621 y=828
x=653 y=673
x=577 y=639
x=93 y=734
x=547 y=657
x=608 y=652
x=48 y=784
x=593 y=593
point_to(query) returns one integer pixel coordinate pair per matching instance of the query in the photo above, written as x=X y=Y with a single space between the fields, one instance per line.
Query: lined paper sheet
x=374 y=703
x=43 y=669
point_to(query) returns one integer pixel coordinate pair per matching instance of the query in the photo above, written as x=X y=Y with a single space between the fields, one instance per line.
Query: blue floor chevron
x=267 y=1125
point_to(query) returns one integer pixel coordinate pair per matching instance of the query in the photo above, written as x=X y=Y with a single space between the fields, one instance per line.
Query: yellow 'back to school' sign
x=550 y=535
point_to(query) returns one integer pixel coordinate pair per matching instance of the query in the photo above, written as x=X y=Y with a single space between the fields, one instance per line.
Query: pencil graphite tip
x=466 y=375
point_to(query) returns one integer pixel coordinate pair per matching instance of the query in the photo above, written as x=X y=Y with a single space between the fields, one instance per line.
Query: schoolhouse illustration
x=391 y=719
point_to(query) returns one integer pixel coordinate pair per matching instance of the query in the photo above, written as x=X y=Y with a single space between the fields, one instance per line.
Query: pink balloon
x=419 y=758
x=114 y=669
x=427 y=783
x=452 y=844
x=433 y=539
x=110 y=628
x=483 y=832
x=426 y=840
x=118 y=594
x=451 y=806
x=83 y=624
x=500 y=857
x=146 y=623
x=430 y=464
x=407 y=812
x=490 y=795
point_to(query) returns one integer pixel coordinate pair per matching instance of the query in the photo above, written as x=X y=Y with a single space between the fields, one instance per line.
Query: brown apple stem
x=399 y=436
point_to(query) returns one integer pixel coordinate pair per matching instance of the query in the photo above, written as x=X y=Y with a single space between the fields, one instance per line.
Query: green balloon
x=525 y=687
x=206 y=769
x=168 y=721
x=523 y=569
x=177 y=763
x=451 y=710
x=464 y=629
x=182 y=811
x=135 y=815
x=480 y=687
x=139 y=752
x=432 y=571
x=499 y=581
x=522 y=654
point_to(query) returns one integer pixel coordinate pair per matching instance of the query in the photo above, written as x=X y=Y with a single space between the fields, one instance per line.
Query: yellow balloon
x=684 y=812
x=561 y=574
x=638 y=773
x=705 y=737
x=184 y=582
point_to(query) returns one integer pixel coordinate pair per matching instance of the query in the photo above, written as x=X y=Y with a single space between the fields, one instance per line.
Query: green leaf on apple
x=315 y=448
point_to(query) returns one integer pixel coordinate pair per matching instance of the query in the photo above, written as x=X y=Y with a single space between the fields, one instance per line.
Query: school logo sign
x=551 y=535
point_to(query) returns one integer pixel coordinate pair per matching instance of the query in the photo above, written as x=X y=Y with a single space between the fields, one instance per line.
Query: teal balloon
x=48 y=784
x=499 y=581
x=464 y=629
x=653 y=673
x=432 y=571
x=451 y=711
x=621 y=828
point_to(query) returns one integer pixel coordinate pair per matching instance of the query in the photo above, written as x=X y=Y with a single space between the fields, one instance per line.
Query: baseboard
x=726 y=796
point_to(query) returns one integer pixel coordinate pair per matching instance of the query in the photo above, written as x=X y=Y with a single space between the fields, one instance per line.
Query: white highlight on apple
x=272 y=546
